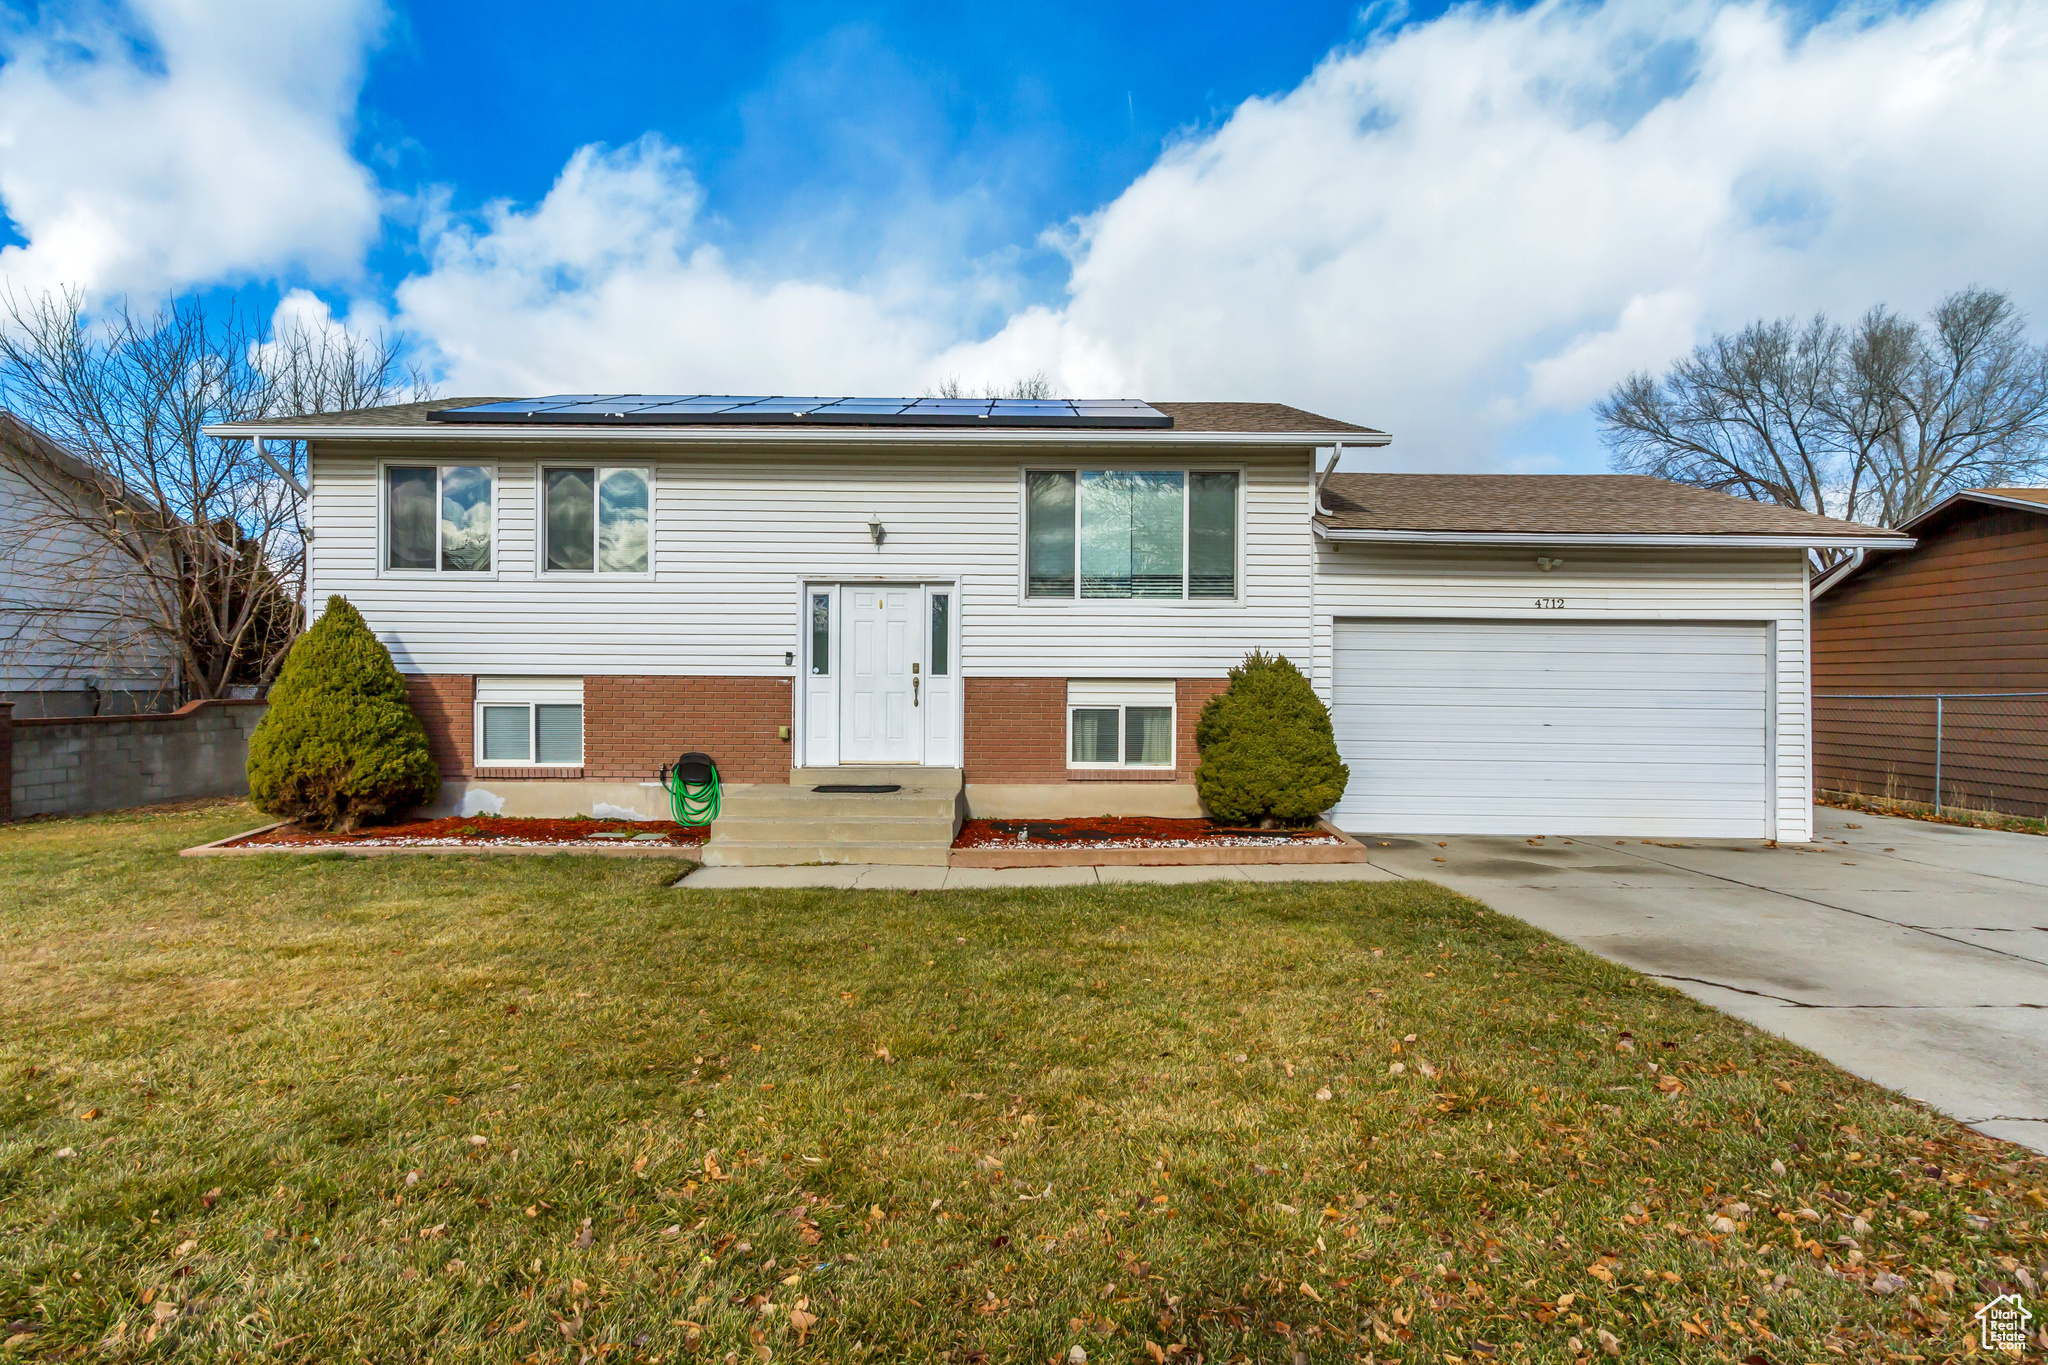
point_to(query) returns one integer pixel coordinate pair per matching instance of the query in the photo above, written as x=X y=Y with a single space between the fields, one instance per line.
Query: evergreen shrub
x=340 y=744
x=1268 y=754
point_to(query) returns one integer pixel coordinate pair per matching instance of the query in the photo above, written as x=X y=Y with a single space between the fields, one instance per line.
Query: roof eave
x=1976 y=495
x=642 y=435
x=1598 y=540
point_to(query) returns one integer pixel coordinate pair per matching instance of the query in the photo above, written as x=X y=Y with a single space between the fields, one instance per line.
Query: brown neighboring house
x=1964 y=616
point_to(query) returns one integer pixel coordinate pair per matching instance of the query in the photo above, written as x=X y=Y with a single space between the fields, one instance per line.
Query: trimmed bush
x=340 y=745
x=1268 y=753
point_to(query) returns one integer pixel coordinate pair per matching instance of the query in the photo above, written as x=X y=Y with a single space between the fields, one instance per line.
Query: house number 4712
x=1550 y=603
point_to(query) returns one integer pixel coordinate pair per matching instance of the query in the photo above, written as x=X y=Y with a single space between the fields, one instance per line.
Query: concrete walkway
x=1912 y=954
x=882 y=877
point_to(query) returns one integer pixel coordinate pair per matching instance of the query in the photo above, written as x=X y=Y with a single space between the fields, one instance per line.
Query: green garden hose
x=692 y=784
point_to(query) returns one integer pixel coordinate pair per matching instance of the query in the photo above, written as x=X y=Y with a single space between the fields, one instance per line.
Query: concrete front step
x=741 y=853
x=771 y=826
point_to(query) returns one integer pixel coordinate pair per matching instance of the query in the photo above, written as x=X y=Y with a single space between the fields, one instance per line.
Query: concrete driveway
x=1912 y=954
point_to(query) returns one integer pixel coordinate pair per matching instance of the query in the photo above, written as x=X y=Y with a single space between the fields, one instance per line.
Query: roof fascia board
x=854 y=436
x=1727 y=541
x=1977 y=495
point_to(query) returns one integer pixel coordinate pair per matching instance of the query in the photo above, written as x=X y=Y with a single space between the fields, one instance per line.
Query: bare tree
x=1035 y=385
x=1873 y=425
x=209 y=540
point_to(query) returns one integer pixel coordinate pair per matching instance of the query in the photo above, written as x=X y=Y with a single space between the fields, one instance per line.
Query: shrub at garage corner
x=340 y=745
x=1268 y=753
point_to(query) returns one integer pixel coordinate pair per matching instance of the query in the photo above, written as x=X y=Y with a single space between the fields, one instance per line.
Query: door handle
x=914 y=681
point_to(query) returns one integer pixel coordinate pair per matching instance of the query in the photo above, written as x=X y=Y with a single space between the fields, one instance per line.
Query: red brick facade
x=633 y=725
x=1016 y=731
x=1016 y=728
x=444 y=704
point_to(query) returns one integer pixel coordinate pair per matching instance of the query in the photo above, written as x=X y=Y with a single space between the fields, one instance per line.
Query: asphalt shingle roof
x=1559 y=504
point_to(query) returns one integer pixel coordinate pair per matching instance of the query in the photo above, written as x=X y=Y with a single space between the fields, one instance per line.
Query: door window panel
x=942 y=633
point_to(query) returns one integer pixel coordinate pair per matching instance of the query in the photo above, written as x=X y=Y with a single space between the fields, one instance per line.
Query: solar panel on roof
x=635 y=409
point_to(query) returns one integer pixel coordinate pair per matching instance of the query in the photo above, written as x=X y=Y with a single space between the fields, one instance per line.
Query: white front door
x=881 y=674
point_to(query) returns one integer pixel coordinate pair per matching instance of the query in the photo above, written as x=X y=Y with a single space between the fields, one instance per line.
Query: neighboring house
x=1043 y=595
x=70 y=643
x=1963 y=615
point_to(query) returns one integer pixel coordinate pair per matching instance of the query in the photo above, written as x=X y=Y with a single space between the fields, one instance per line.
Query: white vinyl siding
x=1757 y=588
x=1571 y=727
x=735 y=535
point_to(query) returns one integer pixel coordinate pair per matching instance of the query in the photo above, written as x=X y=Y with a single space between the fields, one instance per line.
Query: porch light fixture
x=876 y=531
x=1546 y=564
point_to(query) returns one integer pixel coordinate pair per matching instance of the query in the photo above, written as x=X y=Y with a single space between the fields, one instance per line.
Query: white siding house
x=70 y=644
x=581 y=589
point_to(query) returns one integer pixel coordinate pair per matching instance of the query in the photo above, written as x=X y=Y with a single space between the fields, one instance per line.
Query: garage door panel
x=1646 y=728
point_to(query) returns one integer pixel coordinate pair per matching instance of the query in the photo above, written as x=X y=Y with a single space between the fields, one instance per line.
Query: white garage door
x=1577 y=728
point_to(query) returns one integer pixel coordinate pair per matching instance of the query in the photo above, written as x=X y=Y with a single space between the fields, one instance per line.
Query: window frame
x=1170 y=704
x=540 y=524
x=1026 y=597
x=532 y=709
x=490 y=468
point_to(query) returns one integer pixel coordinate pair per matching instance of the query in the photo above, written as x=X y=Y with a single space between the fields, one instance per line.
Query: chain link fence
x=1981 y=752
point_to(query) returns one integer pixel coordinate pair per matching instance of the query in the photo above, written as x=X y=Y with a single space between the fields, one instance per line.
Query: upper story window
x=1130 y=533
x=596 y=520
x=437 y=518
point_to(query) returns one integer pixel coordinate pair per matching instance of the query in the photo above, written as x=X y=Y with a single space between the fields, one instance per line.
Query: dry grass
x=452 y=1108
x=1969 y=817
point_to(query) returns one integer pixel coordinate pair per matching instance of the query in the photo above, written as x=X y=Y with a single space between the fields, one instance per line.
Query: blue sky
x=1462 y=224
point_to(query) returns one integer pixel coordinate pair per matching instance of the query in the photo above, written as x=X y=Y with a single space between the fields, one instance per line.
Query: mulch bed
x=497 y=831
x=1131 y=831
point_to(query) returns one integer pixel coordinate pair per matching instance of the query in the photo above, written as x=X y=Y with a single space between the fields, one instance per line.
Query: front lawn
x=486 y=1108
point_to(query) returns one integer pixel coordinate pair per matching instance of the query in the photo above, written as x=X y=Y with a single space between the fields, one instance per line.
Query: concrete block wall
x=72 y=765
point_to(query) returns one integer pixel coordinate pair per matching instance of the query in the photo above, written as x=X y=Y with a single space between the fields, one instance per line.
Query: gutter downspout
x=1336 y=454
x=1844 y=571
x=279 y=469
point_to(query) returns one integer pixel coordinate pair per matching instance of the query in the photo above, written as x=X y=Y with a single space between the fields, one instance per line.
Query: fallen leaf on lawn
x=1887 y=1283
x=989 y=1163
x=1600 y=1273
x=1785 y=1086
x=185 y=1248
x=90 y=1114
x=1609 y=1343
x=1723 y=1225
x=18 y=1339
x=1287 y=1209
x=1311 y=1293
x=1426 y=1069
x=64 y=1153
x=454 y=1267
x=1152 y=1349
x=1396 y=1069
x=1323 y=1093
x=1777 y=1168
x=412 y=1177
x=672 y=1230
x=801 y=1318
x=427 y=1234
x=208 y=1199
x=584 y=1236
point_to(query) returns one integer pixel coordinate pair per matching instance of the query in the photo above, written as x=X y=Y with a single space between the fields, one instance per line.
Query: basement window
x=1120 y=724
x=529 y=722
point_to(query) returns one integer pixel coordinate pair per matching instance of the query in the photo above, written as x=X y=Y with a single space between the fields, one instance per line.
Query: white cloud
x=605 y=286
x=1456 y=229
x=184 y=142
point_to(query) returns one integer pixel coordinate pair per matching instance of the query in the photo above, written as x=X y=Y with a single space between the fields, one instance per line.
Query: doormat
x=860 y=788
